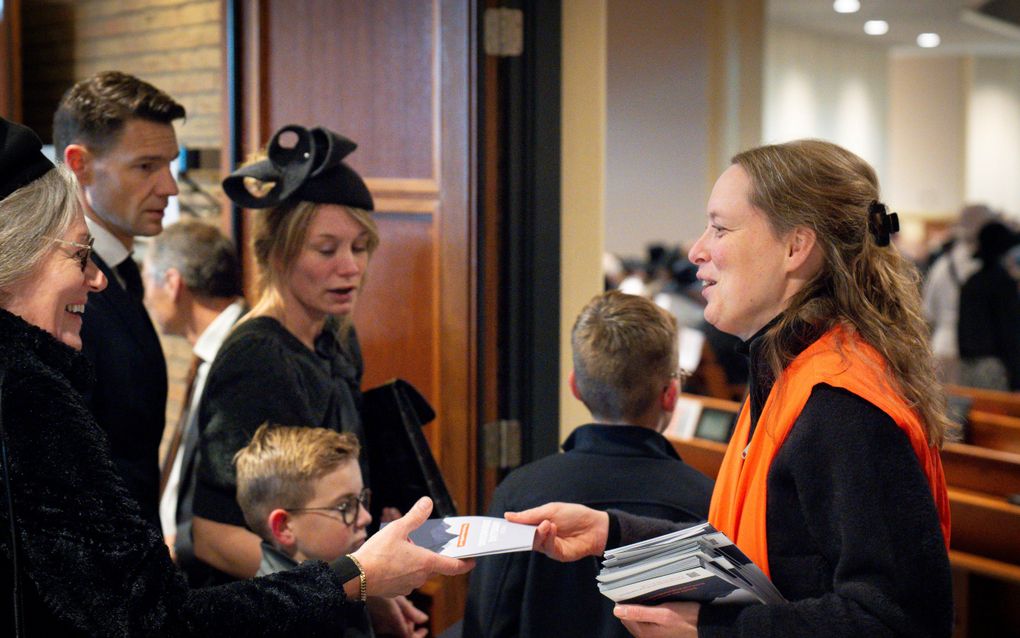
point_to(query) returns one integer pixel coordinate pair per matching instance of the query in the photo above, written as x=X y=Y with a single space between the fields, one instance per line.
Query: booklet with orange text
x=469 y=536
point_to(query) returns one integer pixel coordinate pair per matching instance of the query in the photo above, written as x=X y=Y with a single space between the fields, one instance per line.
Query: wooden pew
x=993 y=431
x=994 y=401
x=980 y=469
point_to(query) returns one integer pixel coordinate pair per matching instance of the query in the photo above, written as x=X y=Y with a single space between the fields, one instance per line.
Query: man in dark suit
x=193 y=290
x=625 y=365
x=115 y=133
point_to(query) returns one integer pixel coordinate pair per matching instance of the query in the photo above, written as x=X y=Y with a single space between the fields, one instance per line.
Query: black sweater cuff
x=345 y=569
x=613 y=537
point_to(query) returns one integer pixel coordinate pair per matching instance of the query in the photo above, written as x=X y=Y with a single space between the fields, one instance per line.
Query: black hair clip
x=311 y=169
x=882 y=224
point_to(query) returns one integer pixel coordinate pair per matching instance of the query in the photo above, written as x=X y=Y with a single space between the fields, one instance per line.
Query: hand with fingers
x=566 y=531
x=397 y=617
x=668 y=620
x=394 y=565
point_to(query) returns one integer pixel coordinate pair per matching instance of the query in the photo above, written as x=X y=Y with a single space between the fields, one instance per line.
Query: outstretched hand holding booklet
x=697 y=563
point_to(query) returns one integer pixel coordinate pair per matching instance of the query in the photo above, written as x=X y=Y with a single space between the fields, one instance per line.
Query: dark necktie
x=177 y=437
x=128 y=271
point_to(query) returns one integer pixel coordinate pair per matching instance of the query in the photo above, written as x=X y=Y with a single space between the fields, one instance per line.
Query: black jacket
x=129 y=398
x=989 y=324
x=89 y=564
x=624 y=467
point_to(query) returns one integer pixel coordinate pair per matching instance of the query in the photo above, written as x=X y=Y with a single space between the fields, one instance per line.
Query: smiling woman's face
x=741 y=262
x=53 y=296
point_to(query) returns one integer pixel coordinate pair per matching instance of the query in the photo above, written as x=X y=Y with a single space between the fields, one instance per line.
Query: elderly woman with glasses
x=76 y=556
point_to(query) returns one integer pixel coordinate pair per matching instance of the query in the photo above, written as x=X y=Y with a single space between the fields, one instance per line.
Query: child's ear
x=573 y=386
x=669 y=395
x=279 y=525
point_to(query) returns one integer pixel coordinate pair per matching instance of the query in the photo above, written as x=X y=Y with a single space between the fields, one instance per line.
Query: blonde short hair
x=625 y=351
x=280 y=465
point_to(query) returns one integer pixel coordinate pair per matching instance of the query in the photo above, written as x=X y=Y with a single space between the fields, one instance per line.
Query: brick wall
x=174 y=44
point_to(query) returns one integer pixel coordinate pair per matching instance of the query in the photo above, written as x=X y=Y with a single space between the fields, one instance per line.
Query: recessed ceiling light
x=876 y=27
x=846 y=6
x=928 y=40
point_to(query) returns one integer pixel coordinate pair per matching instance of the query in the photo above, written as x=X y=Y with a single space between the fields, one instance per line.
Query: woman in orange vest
x=832 y=482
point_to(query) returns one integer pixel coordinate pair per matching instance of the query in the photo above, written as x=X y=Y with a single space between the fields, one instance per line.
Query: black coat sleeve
x=93 y=566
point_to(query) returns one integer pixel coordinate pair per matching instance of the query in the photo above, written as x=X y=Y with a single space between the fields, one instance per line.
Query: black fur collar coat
x=88 y=564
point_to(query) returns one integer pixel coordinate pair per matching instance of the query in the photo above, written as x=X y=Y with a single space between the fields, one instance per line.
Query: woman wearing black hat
x=76 y=556
x=294 y=359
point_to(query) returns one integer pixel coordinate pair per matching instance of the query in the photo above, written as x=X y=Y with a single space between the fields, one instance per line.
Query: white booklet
x=469 y=536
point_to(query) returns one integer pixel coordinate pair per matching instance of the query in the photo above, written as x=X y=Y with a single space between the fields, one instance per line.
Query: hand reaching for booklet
x=672 y=620
x=394 y=565
x=566 y=531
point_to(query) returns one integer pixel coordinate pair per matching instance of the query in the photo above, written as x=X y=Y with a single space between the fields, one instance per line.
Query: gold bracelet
x=362 y=578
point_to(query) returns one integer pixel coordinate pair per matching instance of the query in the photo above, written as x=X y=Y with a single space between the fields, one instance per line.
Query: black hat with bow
x=21 y=158
x=310 y=170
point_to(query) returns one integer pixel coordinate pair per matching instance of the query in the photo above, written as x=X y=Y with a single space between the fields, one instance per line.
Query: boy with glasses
x=301 y=491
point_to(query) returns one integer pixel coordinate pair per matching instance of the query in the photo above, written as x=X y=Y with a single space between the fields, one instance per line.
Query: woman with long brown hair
x=832 y=482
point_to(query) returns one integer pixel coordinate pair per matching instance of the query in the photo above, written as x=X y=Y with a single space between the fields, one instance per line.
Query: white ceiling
x=962 y=29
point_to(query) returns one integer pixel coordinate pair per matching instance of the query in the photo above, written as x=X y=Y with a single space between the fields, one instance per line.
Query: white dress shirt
x=206 y=347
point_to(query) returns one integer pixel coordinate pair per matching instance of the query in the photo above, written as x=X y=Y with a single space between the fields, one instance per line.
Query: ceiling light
x=846 y=6
x=928 y=40
x=876 y=27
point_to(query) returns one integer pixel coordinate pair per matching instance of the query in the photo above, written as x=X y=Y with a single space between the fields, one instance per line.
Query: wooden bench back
x=993 y=401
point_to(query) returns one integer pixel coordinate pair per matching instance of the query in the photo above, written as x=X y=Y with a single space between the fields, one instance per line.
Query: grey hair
x=206 y=259
x=44 y=208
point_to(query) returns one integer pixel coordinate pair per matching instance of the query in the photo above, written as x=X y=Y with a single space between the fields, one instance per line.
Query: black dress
x=89 y=564
x=263 y=373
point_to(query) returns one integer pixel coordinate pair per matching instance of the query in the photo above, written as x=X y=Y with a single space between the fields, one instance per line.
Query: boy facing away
x=302 y=492
x=625 y=373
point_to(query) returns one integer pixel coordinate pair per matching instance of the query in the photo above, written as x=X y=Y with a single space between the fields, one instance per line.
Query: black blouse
x=263 y=373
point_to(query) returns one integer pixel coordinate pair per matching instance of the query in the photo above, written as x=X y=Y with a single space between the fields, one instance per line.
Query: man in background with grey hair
x=941 y=295
x=193 y=290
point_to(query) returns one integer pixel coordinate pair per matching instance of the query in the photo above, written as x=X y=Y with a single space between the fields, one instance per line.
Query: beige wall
x=657 y=109
x=683 y=94
x=927 y=115
x=834 y=90
x=583 y=178
x=993 y=134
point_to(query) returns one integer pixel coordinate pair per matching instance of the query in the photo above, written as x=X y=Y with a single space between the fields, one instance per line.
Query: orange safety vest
x=740 y=496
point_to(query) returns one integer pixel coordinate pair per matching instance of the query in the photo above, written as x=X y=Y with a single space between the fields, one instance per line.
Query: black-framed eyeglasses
x=348 y=507
x=82 y=254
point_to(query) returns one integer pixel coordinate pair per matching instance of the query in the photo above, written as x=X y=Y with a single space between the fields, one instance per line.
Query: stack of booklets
x=697 y=563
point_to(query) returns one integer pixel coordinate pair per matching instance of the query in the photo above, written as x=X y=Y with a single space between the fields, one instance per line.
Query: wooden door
x=395 y=77
x=10 y=60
